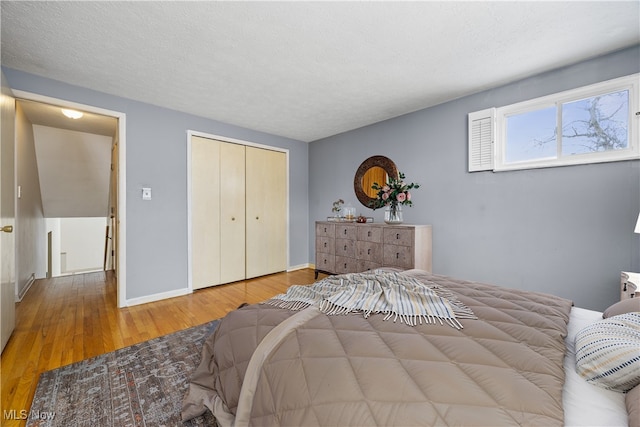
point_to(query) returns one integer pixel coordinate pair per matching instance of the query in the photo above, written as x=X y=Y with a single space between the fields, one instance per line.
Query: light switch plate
x=146 y=193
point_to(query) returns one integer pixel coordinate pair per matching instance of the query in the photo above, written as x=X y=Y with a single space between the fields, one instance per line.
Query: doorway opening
x=79 y=245
x=74 y=210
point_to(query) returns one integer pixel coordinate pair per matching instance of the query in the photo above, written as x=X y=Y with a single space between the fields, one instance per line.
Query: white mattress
x=584 y=403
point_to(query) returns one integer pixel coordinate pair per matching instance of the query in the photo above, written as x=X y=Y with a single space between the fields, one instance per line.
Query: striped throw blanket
x=397 y=296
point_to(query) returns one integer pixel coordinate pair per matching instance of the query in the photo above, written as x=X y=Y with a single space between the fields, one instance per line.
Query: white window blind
x=481 y=136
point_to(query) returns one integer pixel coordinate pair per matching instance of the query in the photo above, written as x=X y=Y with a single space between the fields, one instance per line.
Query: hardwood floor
x=67 y=319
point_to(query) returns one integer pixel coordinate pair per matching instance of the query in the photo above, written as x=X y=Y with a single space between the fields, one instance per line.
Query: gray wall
x=156 y=153
x=565 y=230
x=31 y=235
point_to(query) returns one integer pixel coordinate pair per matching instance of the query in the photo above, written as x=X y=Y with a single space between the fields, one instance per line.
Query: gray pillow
x=625 y=306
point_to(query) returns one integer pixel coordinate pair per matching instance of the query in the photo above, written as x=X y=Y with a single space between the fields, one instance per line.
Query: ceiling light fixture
x=72 y=114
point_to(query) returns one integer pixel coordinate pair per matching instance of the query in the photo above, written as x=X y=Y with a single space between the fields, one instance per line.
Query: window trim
x=632 y=152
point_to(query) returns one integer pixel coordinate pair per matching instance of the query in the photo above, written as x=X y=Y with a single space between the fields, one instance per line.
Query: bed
x=425 y=350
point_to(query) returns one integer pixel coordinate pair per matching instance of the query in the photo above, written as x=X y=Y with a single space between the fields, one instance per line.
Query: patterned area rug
x=141 y=385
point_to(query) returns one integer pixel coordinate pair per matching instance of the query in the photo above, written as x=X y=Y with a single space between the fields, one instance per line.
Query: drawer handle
x=368 y=251
x=624 y=288
x=345 y=231
x=397 y=255
x=397 y=236
x=368 y=233
x=345 y=265
x=325 y=229
x=345 y=247
x=325 y=244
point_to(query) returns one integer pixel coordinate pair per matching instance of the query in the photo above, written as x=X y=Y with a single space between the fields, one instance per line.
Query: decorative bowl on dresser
x=355 y=247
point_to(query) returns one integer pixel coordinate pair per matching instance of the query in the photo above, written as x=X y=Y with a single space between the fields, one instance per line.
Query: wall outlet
x=146 y=193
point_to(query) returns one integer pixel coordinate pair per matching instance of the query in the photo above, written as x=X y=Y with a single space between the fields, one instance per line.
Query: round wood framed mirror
x=374 y=169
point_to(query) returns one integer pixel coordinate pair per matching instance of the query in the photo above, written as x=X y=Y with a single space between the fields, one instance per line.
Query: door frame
x=121 y=246
x=192 y=133
x=8 y=287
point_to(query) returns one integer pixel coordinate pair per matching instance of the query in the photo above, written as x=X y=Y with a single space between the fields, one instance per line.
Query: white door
x=217 y=212
x=205 y=212
x=238 y=212
x=232 y=212
x=266 y=212
x=7 y=215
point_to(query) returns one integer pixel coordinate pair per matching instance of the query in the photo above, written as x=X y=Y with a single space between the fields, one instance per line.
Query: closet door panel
x=205 y=212
x=232 y=212
x=266 y=202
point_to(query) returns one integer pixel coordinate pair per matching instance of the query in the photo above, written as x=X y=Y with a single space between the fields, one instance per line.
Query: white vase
x=393 y=214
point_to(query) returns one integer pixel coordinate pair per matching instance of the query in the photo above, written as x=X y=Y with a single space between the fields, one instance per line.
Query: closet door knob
x=257 y=217
x=233 y=218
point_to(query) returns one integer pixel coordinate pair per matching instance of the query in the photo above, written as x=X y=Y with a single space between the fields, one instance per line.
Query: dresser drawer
x=325 y=230
x=370 y=251
x=345 y=265
x=398 y=236
x=367 y=265
x=398 y=256
x=370 y=234
x=325 y=262
x=345 y=247
x=326 y=245
x=344 y=231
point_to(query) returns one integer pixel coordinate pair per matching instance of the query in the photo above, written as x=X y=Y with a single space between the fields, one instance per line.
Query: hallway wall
x=30 y=224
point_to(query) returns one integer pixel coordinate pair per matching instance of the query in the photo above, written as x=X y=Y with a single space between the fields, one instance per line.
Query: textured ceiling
x=306 y=70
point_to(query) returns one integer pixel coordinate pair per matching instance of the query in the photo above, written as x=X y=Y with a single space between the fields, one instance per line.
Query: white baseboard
x=186 y=291
x=157 y=297
x=21 y=295
x=299 y=267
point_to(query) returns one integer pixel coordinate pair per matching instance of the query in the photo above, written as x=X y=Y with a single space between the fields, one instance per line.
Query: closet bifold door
x=205 y=212
x=266 y=204
x=232 y=212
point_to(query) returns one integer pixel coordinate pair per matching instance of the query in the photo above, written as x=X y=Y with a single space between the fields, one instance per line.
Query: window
x=592 y=124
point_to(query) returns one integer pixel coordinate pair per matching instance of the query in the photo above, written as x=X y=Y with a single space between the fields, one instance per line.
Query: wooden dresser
x=343 y=247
